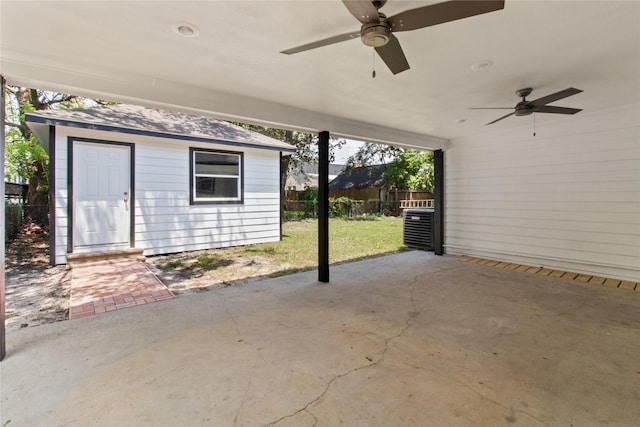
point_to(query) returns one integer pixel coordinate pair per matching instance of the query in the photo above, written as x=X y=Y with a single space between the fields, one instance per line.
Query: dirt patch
x=199 y=271
x=36 y=292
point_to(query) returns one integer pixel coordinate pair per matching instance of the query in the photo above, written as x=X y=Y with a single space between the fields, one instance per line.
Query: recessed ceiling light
x=185 y=29
x=481 y=65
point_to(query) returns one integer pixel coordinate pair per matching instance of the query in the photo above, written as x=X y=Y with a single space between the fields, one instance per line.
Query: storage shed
x=125 y=176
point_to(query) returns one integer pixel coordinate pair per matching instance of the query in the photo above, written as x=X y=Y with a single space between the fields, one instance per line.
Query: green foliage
x=210 y=261
x=21 y=158
x=341 y=207
x=294 y=215
x=309 y=200
x=411 y=169
x=306 y=144
x=172 y=265
x=406 y=168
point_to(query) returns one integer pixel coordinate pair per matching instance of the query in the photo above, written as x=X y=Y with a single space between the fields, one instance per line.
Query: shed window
x=216 y=176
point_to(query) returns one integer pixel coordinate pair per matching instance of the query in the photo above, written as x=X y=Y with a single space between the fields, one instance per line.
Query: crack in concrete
x=328 y=385
x=315 y=419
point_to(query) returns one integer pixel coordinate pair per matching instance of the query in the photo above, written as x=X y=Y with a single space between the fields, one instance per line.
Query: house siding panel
x=568 y=198
x=61 y=198
x=165 y=221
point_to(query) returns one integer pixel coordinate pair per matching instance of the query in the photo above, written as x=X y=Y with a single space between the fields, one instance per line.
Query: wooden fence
x=370 y=200
x=370 y=193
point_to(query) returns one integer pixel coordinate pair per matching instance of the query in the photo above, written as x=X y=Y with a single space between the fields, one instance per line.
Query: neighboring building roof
x=309 y=175
x=312 y=169
x=360 y=177
x=133 y=119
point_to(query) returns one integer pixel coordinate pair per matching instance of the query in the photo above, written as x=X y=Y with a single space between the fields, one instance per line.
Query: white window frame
x=212 y=200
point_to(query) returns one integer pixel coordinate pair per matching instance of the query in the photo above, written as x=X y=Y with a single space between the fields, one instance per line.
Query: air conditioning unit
x=418 y=228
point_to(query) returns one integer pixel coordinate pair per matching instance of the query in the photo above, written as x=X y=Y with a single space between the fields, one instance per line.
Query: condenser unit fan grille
x=418 y=229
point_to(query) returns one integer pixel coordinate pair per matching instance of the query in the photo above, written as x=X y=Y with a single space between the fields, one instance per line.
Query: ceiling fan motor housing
x=523 y=108
x=376 y=34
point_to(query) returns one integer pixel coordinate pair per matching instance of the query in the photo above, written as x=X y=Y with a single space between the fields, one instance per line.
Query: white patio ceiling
x=129 y=51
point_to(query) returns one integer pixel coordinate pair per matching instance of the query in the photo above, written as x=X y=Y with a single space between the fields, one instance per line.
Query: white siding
x=165 y=221
x=568 y=198
x=61 y=198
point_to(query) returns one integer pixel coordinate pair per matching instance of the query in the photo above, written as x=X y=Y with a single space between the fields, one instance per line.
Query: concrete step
x=105 y=257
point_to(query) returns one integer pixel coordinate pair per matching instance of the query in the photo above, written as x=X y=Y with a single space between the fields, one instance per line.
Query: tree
x=24 y=157
x=306 y=145
x=406 y=168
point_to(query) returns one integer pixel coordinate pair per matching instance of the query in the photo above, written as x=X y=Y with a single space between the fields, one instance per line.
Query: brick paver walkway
x=107 y=287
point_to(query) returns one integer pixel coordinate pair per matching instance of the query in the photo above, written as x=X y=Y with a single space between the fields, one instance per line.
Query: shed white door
x=101 y=197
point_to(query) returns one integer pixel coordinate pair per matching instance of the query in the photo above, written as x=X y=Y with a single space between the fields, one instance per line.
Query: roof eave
x=49 y=121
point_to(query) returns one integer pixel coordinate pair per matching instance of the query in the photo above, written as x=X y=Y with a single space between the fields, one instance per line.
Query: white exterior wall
x=61 y=197
x=568 y=198
x=165 y=222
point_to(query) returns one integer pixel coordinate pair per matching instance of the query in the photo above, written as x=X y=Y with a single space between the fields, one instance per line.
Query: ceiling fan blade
x=439 y=13
x=503 y=117
x=491 y=108
x=554 y=97
x=555 y=110
x=392 y=55
x=363 y=10
x=324 y=42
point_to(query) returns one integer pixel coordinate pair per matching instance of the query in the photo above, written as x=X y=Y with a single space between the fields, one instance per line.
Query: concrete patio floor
x=409 y=339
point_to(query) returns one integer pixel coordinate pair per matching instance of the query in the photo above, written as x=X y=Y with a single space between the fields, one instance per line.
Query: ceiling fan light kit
x=375 y=35
x=377 y=30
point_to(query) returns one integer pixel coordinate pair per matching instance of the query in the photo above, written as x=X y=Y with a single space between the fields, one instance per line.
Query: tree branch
x=35 y=99
x=103 y=102
x=11 y=89
x=67 y=98
x=10 y=124
x=46 y=103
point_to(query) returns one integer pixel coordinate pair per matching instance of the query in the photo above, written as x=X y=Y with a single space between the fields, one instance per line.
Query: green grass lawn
x=348 y=240
x=298 y=250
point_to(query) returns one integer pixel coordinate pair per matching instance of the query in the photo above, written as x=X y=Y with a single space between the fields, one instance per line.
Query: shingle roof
x=361 y=177
x=134 y=119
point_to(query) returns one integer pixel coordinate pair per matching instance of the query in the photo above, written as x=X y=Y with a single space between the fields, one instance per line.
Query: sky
x=347 y=150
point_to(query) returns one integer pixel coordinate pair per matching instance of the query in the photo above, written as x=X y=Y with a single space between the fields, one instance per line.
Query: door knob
x=126 y=196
